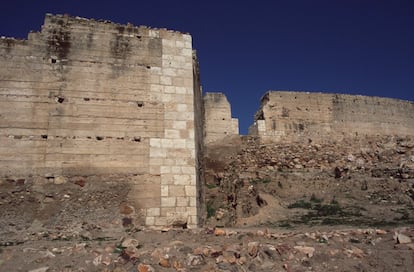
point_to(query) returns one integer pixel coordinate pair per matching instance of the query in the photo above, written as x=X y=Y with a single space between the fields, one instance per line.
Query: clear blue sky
x=246 y=48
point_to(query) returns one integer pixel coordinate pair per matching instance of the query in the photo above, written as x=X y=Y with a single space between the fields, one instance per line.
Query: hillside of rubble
x=354 y=182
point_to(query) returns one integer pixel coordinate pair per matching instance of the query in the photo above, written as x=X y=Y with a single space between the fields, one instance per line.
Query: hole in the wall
x=224 y=119
x=60 y=99
x=148 y=67
x=53 y=60
x=99 y=138
x=140 y=104
x=88 y=137
x=20 y=181
x=126 y=221
x=18 y=137
x=44 y=136
x=139 y=37
x=260 y=201
x=86 y=99
x=137 y=139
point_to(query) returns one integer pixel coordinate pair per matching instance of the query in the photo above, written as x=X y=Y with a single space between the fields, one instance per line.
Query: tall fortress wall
x=290 y=116
x=84 y=97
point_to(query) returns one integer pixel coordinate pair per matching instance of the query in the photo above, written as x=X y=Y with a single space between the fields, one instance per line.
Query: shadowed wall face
x=299 y=115
x=84 y=97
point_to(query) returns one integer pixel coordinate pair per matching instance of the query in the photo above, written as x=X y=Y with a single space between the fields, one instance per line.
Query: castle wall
x=85 y=97
x=218 y=120
x=286 y=116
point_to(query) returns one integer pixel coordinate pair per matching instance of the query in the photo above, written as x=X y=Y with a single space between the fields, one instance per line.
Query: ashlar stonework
x=84 y=97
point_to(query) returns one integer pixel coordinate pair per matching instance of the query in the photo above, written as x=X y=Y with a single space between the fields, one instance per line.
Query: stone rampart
x=120 y=103
x=85 y=97
x=218 y=120
x=287 y=116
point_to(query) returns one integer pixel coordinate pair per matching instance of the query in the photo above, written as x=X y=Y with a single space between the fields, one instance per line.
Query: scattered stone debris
x=322 y=249
x=361 y=182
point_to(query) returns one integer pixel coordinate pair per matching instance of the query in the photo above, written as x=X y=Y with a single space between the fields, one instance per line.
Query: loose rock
x=402 y=239
x=145 y=268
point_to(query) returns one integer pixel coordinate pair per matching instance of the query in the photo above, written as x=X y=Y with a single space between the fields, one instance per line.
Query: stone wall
x=86 y=97
x=287 y=116
x=218 y=120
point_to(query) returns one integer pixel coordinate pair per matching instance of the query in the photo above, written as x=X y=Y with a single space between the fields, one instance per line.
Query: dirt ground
x=308 y=249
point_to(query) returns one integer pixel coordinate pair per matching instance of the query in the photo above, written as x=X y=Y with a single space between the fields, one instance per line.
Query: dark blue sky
x=246 y=48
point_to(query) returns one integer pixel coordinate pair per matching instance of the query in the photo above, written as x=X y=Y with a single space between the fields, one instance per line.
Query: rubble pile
x=369 y=181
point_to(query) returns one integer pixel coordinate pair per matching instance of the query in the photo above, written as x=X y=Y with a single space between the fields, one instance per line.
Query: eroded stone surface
x=94 y=98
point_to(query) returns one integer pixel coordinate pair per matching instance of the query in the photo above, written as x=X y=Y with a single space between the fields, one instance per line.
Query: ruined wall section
x=288 y=116
x=218 y=120
x=85 y=97
x=364 y=115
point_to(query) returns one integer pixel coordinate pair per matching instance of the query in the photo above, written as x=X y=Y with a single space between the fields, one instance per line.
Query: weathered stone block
x=153 y=212
x=176 y=190
x=164 y=190
x=182 y=179
x=183 y=201
x=190 y=191
x=168 y=201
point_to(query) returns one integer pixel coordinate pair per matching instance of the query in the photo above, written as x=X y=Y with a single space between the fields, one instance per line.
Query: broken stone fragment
x=253 y=248
x=381 y=232
x=194 y=260
x=178 y=265
x=308 y=251
x=97 y=261
x=402 y=239
x=129 y=242
x=355 y=252
x=106 y=260
x=164 y=261
x=220 y=214
x=219 y=232
x=60 y=180
x=145 y=268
